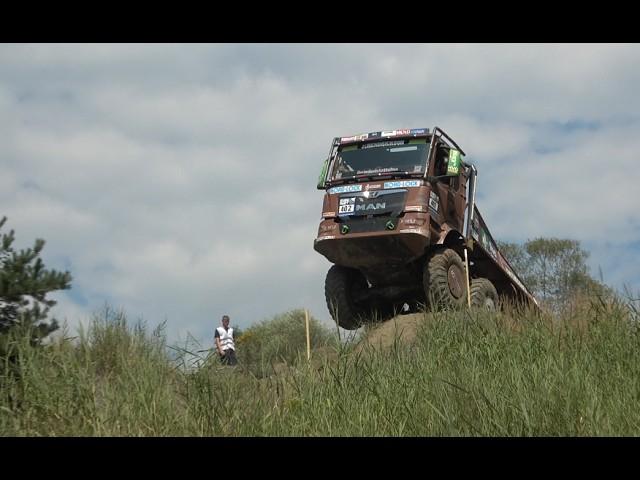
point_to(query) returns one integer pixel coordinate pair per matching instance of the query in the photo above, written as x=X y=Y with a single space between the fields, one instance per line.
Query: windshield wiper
x=340 y=181
x=401 y=174
x=375 y=176
x=370 y=176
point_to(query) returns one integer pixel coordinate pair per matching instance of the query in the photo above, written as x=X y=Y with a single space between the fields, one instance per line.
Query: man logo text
x=371 y=206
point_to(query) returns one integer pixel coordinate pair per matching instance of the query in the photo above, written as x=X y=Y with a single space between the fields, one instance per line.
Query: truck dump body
x=492 y=262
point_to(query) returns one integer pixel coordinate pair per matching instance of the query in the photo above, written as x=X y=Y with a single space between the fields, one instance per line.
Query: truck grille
x=371 y=213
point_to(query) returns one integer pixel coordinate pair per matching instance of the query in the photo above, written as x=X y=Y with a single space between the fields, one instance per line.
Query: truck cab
x=381 y=208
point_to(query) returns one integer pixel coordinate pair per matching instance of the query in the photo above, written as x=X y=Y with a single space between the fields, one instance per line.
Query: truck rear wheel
x=340 y=288
x=444 y=280
x=484 y=294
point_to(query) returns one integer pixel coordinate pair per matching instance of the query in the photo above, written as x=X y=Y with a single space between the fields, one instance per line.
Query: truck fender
x=449 y=236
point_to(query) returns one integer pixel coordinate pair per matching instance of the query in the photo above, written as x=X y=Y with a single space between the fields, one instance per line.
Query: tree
x=554 y=269
x=24 y=285
x=517 y=256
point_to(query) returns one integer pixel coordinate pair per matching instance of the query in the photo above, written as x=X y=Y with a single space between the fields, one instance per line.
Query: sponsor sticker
x=383 y=144
x=345 y=189
x=433 y=201
x=388 y=133
x=414 y=208
x=354 y=138
x=377 y=170
x=453 y=166
x=395 y=133
x=402 y=184
x=490 y=246
x=403 y=149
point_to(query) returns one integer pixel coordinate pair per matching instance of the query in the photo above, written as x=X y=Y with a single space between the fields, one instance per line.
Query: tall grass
x=465 y=374
x=265 y=346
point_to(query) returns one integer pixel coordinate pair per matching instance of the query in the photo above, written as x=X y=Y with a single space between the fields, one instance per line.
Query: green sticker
x=453 y=167
x=323 y=174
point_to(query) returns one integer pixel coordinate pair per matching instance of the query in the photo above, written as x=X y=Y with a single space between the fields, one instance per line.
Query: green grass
x=466 y=374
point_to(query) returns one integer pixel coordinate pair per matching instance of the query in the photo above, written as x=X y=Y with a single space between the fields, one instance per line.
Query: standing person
x=224 y=342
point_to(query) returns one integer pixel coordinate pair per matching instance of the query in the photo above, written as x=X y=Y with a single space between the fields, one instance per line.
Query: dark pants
x=229 y=357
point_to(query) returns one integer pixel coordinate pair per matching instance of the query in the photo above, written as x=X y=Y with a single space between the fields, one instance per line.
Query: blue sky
x=178 y=181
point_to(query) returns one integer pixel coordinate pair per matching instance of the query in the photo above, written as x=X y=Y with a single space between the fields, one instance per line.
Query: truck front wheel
x=341 y=287
x=483 y=294
x=444 y=280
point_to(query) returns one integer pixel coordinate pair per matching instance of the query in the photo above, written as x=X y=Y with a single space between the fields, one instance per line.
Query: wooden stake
x=306 y=318
x=466 y=270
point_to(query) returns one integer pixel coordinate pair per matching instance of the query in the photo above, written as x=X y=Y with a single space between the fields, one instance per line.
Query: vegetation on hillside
x=466 y=373
x=571 y=370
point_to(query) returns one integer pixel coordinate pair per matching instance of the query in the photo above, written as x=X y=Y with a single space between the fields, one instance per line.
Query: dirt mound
x=402 y=327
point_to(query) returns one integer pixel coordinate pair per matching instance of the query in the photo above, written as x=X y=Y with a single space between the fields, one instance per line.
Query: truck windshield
x=386 y=157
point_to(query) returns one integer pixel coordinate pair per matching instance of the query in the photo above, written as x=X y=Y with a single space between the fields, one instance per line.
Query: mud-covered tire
x=444 y=280
x=339 y=287
x=484 y=294
x=377 y=312
x=387 y=311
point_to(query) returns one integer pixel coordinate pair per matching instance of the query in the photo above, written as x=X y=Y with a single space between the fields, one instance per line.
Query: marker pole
x=306 y=318
x=466 y=271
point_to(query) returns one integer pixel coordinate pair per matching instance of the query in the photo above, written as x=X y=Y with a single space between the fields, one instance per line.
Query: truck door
x=457 y=200
x=451 y=192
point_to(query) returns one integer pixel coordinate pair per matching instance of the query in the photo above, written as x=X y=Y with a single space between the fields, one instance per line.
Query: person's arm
x=218 y=344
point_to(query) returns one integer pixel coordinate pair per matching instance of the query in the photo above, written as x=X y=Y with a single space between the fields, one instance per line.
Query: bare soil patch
x=402 y=328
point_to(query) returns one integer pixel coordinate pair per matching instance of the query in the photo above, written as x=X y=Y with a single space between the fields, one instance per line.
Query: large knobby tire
x=339 y=288
x=386 y=311
x=484 y=294
x=444 y=280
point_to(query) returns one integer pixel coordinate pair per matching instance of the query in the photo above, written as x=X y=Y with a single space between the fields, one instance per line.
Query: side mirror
x=323 y=175
x=454 y=163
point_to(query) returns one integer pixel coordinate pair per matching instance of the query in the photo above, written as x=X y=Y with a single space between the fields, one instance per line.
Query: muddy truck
x=400 y=225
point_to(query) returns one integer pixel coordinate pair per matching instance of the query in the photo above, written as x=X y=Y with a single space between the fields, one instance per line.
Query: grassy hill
x=453 y=373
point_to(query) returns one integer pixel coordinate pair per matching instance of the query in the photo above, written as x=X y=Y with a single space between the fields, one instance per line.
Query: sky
x=177 y=182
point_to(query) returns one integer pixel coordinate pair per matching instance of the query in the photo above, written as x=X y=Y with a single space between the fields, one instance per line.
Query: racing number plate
x=347 y=205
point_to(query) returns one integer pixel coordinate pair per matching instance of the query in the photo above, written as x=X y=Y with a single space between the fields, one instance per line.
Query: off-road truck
x=400 y=224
